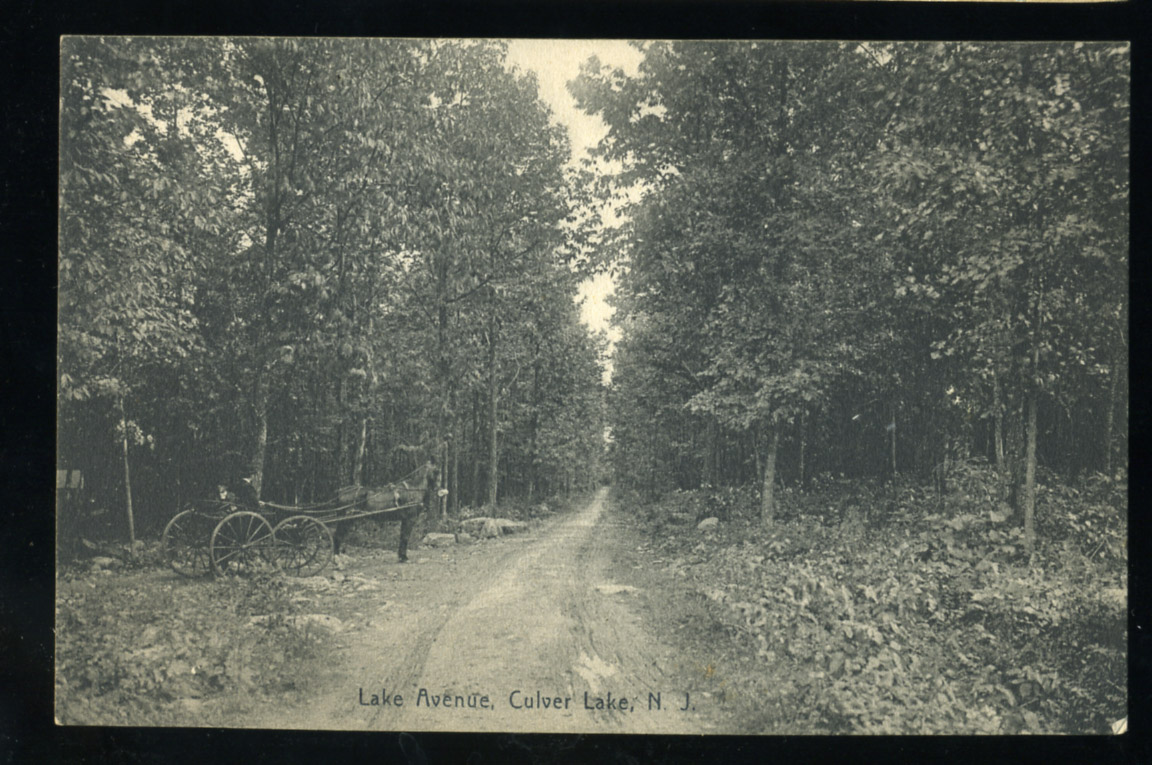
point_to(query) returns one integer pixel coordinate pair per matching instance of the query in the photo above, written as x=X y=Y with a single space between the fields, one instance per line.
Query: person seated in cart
x=242 y=493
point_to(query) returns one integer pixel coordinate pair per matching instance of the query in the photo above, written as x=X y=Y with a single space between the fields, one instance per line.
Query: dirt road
x=548 y=631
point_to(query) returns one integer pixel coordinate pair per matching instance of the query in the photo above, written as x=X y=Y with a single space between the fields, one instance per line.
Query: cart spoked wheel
x=185 y=543
x=303 y=545
x=243 y=543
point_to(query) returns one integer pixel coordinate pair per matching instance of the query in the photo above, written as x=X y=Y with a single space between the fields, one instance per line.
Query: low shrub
x=927 y=617
x=133 y=650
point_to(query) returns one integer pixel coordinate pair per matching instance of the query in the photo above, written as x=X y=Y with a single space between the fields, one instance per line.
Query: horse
x=362 y=501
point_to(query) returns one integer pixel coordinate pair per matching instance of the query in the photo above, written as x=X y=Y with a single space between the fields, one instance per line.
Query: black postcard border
x=29 y=66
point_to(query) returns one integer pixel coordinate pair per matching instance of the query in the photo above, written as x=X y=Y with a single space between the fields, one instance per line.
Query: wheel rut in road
x=541 y=625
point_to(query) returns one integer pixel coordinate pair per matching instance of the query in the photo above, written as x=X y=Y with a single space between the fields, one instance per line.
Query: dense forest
x=870 y=398
x=837 y=261
x=864 y=407
x=317 y=263
x=866 y=261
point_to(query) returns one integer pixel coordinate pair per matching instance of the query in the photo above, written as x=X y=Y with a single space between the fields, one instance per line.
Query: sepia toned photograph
x=593 y=386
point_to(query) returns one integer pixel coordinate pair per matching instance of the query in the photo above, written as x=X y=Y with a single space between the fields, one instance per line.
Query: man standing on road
x=431 y=479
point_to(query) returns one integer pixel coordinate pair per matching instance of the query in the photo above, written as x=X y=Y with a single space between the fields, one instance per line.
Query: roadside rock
x=708 y=524
x=464 y=538
x=487 y=528
x=511 y=527
x=102 y=562
x=438 y=540
x=474 y=525
x=616 y=589
x=484 y=526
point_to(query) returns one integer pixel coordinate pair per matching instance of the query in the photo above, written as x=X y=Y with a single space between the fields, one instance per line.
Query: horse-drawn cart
x=221 y=537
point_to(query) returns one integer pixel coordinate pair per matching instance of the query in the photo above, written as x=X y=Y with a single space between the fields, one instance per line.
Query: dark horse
x=413 y=499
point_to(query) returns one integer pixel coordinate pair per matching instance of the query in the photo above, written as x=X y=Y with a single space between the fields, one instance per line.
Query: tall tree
x=1007 y=185
x=902 y=247
x=742 y=237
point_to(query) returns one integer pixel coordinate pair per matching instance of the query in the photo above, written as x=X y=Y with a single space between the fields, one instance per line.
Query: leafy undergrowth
x=521 y=509
x=893 y=610
x=146 y=647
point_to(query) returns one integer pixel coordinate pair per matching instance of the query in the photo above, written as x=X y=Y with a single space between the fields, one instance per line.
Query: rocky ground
x=562 y=628
x=560 y=625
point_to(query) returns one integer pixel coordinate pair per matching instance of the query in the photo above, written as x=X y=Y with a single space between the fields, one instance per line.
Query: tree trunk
x=893 y=426
x=767 y=491
x=369 y=388
x=272 y=224
x=710 y=452
x=1030 y=479
x=344 y=466
x=475 y=487
x=493 y=453
x=756 y=452
x=358 y=455
x=998 y=433
x=440 y=479
x=127 y=482
x=260 y=415
x=803 y=448
x=1030 y=449
x=1109 y=417
x=299 y=479
x=454 y=497
x=534 y=425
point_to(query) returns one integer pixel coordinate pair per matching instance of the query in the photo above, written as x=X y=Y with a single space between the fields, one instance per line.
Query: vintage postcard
x=568 y=386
